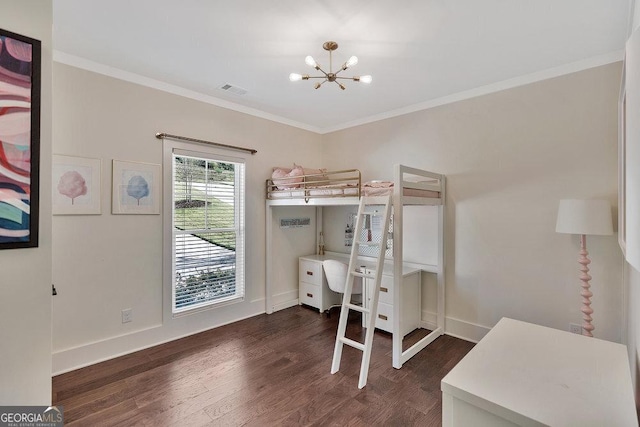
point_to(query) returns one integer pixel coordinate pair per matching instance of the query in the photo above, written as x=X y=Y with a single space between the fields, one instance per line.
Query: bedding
x=284 y=178
x=383 y=188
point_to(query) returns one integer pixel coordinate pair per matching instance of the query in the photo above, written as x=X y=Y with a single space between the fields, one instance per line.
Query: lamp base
x=586 y=294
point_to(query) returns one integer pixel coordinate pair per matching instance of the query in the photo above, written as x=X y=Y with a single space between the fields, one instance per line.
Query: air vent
x=233 y=89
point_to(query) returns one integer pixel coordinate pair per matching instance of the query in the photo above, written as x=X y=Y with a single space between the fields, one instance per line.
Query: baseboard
x=285 y=300
x=455 y=327
x=464 y=330
x=288 y=304
x=79 y=357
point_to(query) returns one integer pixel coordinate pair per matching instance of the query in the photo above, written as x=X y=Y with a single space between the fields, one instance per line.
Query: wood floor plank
x=264 y=371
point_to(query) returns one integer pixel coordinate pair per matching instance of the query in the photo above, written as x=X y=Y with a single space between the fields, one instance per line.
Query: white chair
x=336 y=274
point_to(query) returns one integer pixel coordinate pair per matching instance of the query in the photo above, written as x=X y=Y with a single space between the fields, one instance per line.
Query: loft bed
x=409 y=187
x=418 y=187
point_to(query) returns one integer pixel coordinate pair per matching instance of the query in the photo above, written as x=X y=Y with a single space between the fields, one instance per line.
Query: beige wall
x=25 y=278
x=105 y=263
x=509 y=158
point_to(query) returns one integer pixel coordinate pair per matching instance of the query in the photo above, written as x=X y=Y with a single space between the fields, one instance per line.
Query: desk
x=314 y=291
x=529 y=375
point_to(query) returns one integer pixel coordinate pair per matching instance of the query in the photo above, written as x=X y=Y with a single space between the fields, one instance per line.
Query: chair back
x=336 y=274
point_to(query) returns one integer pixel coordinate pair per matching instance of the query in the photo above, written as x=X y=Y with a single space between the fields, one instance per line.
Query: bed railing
x=291 y=188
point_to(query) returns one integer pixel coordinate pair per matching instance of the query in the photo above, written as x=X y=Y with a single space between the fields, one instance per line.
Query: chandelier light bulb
x=365 y=79
x=351 y=62
x=310 y=61
x=295 y=77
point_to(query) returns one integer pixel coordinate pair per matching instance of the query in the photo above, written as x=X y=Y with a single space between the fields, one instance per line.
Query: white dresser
x=522 y=374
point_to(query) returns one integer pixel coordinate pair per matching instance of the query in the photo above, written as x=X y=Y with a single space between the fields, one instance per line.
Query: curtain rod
x=162 y=135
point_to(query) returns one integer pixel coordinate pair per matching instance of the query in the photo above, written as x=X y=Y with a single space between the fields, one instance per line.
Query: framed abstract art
x=19 y=140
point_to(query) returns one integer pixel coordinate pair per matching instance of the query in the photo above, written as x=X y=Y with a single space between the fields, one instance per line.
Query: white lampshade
x=584 y=217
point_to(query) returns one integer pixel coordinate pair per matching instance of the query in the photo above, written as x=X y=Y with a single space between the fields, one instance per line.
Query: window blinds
x=208 y=226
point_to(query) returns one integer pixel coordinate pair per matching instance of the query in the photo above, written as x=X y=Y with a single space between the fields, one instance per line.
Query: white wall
x=105 y=263
x=25 y=305
x=509 y=158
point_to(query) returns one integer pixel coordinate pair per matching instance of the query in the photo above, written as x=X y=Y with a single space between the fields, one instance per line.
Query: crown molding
x=78 y=62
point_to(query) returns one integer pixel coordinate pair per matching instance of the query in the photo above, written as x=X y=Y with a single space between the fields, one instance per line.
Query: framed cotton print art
x=136 y=188
x=76 y=185
x=19 y=140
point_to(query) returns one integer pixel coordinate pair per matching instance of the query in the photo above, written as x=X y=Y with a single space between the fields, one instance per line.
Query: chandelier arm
x=317 y=77
x=348 y=78
x=323 y=72
x=339 y=71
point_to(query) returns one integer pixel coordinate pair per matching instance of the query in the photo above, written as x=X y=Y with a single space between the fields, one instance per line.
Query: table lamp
x=585 y=217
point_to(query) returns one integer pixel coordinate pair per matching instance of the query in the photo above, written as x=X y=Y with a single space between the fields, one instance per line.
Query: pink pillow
x=285 y=180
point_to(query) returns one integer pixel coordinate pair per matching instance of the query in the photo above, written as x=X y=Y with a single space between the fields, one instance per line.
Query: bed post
x=397 y=267
x=268 y=259
x=441 y=266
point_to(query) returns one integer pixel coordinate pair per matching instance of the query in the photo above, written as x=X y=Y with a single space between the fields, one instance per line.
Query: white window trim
x=194 y=150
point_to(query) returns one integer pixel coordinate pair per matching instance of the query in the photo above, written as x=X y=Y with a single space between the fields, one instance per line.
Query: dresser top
x=534 y=375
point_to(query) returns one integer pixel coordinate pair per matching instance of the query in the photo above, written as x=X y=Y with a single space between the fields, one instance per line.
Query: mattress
x=332 y=190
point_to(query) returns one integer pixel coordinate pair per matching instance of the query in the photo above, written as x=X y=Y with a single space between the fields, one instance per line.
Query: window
x=208 y=231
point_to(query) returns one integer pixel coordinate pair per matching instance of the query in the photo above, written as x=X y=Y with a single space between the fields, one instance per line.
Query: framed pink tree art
x=76 y=185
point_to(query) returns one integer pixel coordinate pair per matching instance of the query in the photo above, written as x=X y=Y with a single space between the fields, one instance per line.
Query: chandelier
x=330 y=76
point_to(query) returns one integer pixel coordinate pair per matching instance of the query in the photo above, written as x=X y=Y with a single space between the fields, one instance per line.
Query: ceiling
x=419 y=52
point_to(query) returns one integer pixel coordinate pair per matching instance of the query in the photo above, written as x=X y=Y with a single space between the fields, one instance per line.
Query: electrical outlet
x=127 y=315
x=574 y=328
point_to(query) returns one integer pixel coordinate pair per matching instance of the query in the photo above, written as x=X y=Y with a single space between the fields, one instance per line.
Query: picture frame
x=20 y=77
x=76 y=185
x=135 y=188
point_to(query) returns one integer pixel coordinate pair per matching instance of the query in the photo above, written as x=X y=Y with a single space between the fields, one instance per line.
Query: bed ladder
x=372 y=309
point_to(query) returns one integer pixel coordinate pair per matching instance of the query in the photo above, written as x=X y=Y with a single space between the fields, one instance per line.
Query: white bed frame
x=428 y=181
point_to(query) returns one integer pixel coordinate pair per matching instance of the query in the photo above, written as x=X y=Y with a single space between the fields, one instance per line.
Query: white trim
x=285 y=305
x=454 y=327
x=85 y=355
x=573 y=67
x=285 y=299
x=465 y=330
x=96 y=67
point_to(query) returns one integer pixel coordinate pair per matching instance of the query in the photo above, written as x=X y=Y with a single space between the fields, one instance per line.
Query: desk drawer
x=310 y=272
x=384 y=318
x=310 y=294
x=386 y=290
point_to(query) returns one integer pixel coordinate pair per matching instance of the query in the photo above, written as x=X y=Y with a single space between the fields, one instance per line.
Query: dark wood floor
x=264 y=371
